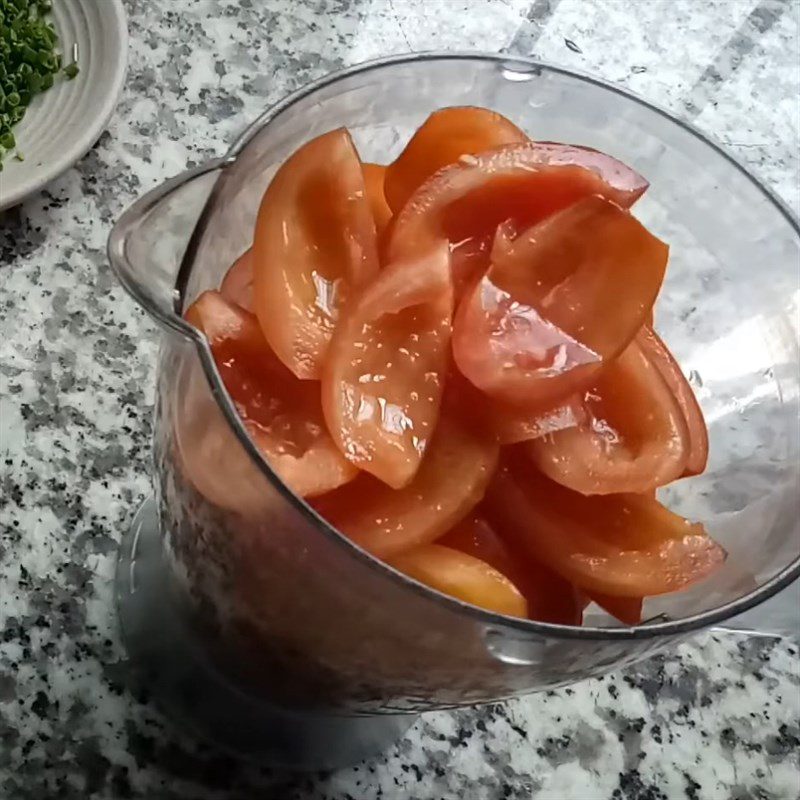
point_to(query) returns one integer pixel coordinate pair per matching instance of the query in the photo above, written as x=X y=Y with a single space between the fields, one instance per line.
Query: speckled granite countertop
x=718 y=718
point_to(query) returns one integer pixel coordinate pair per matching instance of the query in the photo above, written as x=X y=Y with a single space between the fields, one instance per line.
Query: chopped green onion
x=29 y=62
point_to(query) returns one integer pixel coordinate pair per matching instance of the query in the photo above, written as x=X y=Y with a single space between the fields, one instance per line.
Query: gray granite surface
x=717 y=718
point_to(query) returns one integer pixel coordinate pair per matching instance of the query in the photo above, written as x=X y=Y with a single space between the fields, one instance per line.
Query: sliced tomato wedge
x=209 y=455
x=625 y=609
x=462 y=576
x=537 y=327
x=550 y=598
x=520 y=184
x=449 y=483
x=446 y=136
x=315 y=243
x=632 y=437
x=384 y=374
x=512 y=424
x=374 y=177
x=619 y=545
x=232 y=332
x=237 y=285
x=661 y=357
x=507 y=423
x=282 y=414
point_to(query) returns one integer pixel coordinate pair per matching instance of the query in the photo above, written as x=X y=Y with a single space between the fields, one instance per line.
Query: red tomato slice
x=374 y=177
x=209 y=455
x=237 y=285
x=282 y=414
x=620 y=545
x=512 y=424
x=521 y=184
x=383 y=378
x=662 y=358
x=462 y=576
x=625 y=609
x=447 y=135
x=232 y=331
x=632 y=438
x=314 y=243
x=550 y=598
x=450 y=481
x=507 y=423
x=465 y=402
x=537 y=327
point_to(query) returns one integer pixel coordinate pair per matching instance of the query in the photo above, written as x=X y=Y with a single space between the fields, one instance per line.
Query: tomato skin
x=625 y=609
x=444 y=137
x=660 y=355
x=315 y=243
x=632 y=438
x=384 y=374
x=536 y=327
x=521 y=184
x=237 y=285
x=462 y=576
x=450 y=482
x=550 y=598
x=282 y=415
x=374 y=178
x=619 y=545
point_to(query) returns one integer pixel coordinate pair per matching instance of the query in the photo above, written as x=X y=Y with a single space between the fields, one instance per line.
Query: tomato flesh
x=451 y=480
x=512 y=424
x=384 y=374
x=208 y=453
x=660 y=356
x=632 y=437
x=315 y=243
x=282 y=414
x=237 y=285
x=444 y=137
x=537 y=327
x=374 y=179
x=620 y=545
x=518 y=184
x=506 y=423
x=550 y=598
x=462 y=576
x=235 y=337
x=625 y=609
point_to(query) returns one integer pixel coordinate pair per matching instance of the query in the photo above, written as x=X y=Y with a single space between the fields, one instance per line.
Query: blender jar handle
x=149 y=242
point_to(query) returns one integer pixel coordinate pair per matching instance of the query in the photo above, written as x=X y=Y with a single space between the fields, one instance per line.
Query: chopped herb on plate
x=29 y=62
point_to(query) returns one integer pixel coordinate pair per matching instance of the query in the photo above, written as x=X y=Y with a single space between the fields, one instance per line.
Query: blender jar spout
x=150 y=246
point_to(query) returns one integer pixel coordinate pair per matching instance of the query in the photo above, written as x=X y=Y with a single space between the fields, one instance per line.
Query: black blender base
x=170 y=667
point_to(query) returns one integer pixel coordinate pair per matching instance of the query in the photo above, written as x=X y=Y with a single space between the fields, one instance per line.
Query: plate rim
x=84 y=142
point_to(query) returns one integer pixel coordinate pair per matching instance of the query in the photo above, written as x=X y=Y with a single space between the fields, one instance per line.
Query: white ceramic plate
x=66 y=120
